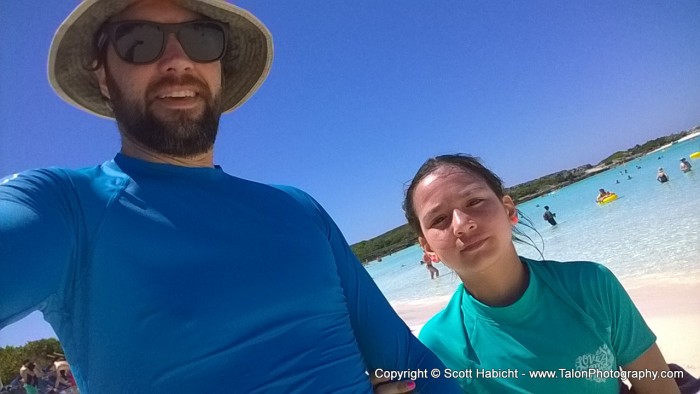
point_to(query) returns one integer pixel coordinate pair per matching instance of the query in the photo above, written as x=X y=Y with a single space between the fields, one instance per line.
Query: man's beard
x=180 y=135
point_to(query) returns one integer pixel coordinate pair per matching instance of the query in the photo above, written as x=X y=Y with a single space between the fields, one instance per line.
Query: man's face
x=171 y=106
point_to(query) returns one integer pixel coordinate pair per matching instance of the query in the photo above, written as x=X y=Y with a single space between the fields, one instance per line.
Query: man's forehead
x=164 y=11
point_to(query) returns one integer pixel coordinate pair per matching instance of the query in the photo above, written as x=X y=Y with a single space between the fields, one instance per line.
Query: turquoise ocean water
x=649 y=235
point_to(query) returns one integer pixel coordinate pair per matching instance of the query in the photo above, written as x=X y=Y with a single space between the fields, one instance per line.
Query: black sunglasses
x=143 y=42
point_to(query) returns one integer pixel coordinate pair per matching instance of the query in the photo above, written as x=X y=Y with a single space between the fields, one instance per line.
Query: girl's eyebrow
x=466 y=192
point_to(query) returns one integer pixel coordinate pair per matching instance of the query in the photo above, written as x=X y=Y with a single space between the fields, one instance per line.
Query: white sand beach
x=672 y=310
x=687 y=137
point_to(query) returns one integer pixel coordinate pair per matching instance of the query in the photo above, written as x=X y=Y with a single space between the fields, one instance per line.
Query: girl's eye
x=437 y=220
x=473 y=202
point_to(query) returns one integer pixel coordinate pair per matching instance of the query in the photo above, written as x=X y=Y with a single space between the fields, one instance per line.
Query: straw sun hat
x=245 y=65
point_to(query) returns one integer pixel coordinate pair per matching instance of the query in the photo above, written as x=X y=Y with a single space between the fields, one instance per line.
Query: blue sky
x=362 y=92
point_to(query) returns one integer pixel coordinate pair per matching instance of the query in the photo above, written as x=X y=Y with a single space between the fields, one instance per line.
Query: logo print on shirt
x=602 y=360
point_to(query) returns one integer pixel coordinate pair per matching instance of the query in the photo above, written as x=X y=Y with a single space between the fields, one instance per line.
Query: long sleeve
x=37 y=242
x=383 y=338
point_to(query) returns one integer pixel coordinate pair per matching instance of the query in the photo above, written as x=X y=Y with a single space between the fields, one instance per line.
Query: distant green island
x=403 y=236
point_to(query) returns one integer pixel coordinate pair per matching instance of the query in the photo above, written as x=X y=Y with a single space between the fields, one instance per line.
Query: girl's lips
x=474 y=245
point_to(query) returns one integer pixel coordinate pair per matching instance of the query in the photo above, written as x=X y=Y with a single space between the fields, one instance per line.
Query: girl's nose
x=462 y=223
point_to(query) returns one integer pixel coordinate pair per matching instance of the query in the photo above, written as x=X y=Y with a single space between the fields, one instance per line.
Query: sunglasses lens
x=202 y=41
x=138 y=42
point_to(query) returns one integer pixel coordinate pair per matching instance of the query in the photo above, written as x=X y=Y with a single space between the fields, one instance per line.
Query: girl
x=513 y=317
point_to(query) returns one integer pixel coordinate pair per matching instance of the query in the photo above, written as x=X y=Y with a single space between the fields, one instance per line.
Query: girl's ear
x=428 y=250
x=510 y=208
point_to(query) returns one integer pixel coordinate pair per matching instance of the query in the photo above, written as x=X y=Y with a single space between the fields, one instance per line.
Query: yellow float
x=610 y=198
x=695 y=155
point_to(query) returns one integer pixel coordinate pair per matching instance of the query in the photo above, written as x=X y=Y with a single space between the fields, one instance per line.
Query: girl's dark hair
x=473 y=165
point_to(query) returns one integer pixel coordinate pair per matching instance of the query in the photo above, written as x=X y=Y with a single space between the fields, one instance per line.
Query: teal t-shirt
x=569 y=332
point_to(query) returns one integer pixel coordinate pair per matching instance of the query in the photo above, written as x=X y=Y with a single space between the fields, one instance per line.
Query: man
x=135 y=262
x=685 y=166
x=64 y=376
x=661 y=176
x=30 y=376
x=549 y=216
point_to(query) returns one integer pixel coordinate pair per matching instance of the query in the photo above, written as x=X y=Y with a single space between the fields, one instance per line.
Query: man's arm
x=23 y=374
x=383 y=338
x=36 y=242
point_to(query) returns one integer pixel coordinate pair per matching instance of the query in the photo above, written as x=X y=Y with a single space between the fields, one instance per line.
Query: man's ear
x=101 y=75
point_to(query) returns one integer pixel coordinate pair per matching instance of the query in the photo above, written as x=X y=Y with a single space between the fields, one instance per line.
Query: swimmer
x=549 y=216
x=602 y=193
x=685 y=166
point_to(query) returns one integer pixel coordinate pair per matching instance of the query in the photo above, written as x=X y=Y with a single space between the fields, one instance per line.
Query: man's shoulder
x=65 y=181
x=298 y=195
x=63 y=173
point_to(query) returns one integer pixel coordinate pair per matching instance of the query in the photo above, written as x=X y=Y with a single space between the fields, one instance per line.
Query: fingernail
x=411 y=385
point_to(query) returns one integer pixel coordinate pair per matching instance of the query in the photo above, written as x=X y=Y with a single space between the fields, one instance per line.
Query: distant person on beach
x=64 y=377
x=661 y=176
x=434 y=273
x=549 y=216
x=685 y=165
x=514 y=313
x=30 y=374
x=629 y=177
x=602 y=193
x=136 y=263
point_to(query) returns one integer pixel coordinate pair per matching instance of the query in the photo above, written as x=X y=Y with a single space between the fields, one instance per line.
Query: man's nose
x=174 y=58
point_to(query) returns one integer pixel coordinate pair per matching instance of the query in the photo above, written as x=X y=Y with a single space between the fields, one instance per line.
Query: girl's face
x=462 y=220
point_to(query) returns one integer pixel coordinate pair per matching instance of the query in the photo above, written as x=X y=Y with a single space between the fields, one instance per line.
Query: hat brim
x=245 y=65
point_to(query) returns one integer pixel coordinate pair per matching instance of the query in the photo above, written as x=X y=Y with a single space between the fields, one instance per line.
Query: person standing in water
x=434 y=273
x=685 y=166
x=549 y=216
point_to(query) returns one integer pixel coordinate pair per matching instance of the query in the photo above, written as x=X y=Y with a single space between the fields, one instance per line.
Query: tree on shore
x=42 y=352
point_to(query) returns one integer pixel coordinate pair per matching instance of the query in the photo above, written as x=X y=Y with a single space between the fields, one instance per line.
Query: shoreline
x=522 y=192
x=687 y=137
x=671 y=310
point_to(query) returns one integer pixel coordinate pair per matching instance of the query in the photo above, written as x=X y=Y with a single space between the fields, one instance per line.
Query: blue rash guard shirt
x=167 y=279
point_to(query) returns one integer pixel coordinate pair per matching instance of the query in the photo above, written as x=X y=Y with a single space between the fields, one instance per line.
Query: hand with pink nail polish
x=382 y=385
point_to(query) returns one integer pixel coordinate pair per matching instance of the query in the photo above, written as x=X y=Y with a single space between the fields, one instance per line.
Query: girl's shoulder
x=570 y=272
x=448 y=319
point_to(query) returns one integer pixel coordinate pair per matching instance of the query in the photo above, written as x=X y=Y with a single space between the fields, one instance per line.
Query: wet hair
x=473 y=165
x=546 y=207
